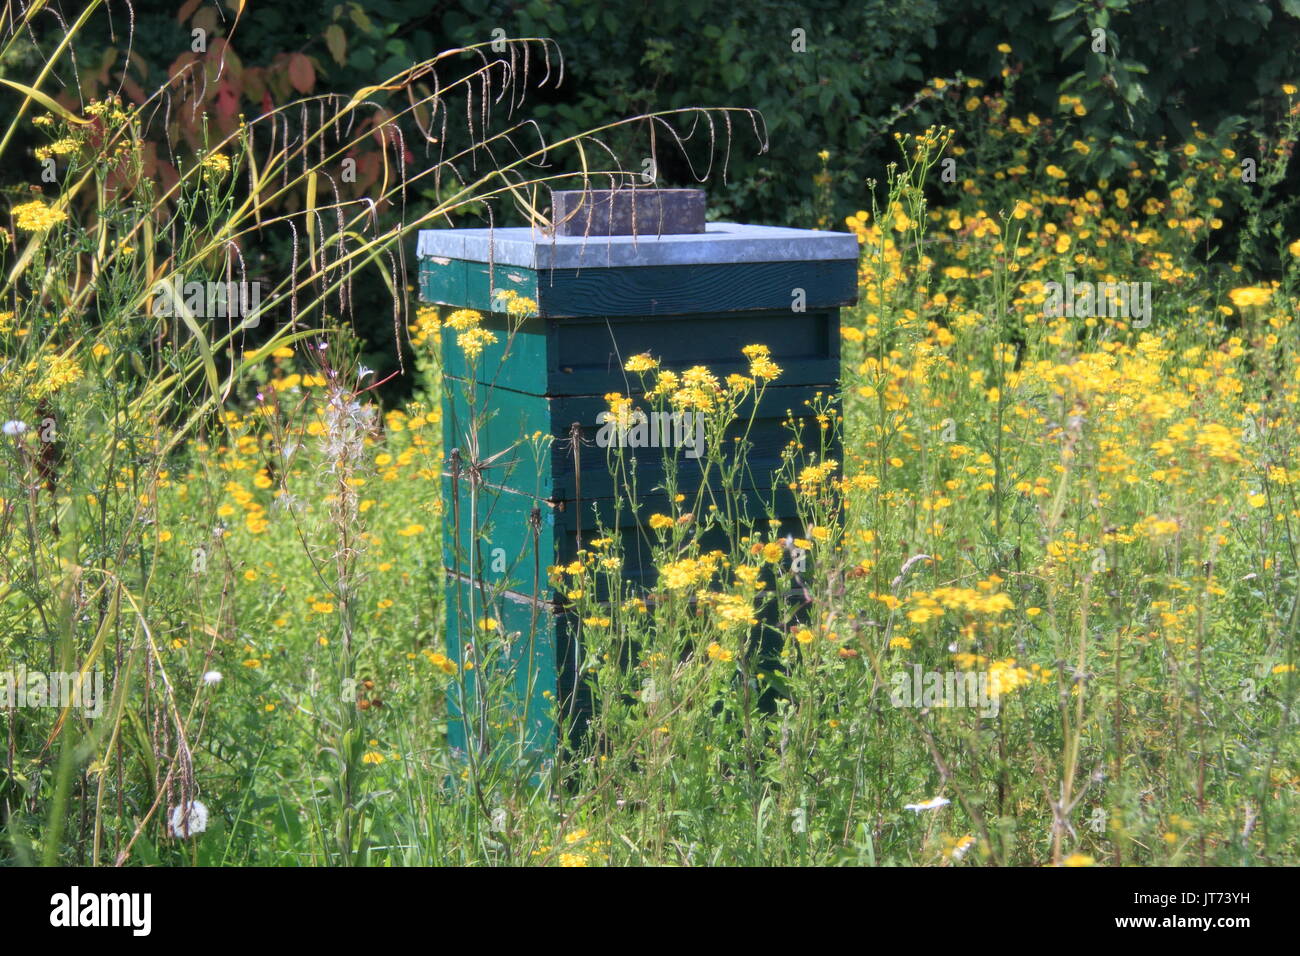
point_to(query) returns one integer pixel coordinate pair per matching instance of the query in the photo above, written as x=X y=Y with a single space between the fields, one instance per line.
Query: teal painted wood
x=500 y=423
x=589 y=354
x=512 y=416
x=515 y=540
x=518 y=360
x=472 y=285
x=688 y=300
x=518 y=715
x=585 y=356
x=520 y=536
x=645 y=290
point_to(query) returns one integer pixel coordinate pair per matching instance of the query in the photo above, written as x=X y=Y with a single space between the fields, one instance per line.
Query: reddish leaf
x=227 y=101
x=301 y=73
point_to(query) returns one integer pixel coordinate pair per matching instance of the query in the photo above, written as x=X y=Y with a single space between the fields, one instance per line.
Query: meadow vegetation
x=1096 y=513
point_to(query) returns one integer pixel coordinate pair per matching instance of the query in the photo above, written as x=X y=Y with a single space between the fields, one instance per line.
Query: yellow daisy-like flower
x=520 y=306
x=36 y=216
x=462 y=320
x=620 y=409
x=1250 y=295
x=719 y=653
x=471 y=341
x=641 y=363
x=62 y=147
x=56 y=372
x=764 y=368
x=215 y=163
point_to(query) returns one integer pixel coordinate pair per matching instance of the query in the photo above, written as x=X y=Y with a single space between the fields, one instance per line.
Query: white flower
x=212 y=677
x=932 y=804
x=196 y=821
x=15 y=428
x=362 y=372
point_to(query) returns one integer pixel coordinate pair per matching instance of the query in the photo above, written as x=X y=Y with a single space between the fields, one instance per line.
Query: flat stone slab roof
x=720 y=243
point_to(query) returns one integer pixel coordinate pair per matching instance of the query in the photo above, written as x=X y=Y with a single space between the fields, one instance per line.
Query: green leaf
x=46 y=101
x=337 y=42
x=360 y=19
x=1072 y=46
x=1063 y=9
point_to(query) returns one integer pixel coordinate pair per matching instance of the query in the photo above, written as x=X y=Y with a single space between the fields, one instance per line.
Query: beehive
x=694 y=297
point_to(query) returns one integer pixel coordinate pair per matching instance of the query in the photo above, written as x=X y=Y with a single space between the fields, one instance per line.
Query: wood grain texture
x=646 y=290
x=513 y=416
x=586 y=356
x=531 y=663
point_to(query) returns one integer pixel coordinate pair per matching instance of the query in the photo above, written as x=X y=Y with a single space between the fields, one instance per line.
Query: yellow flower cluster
x=215 y=164
x=620 y=409
x=60 y=147
x=517 y=306
x=700 y=390
x=814 y=475
x=470 y=335
x=688 y=572
x=426 y=326
x=717 y=652
x=36 y=216
x=761 y=365
x=55 y=372
x=440 y=661
x=1004 y=676
x=731 y=610
x=928 y=605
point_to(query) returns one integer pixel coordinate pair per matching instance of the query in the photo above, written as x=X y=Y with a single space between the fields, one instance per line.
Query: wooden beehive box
x=694 y=297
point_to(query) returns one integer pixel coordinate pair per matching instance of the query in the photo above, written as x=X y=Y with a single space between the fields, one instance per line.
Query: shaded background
x=858 y=78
